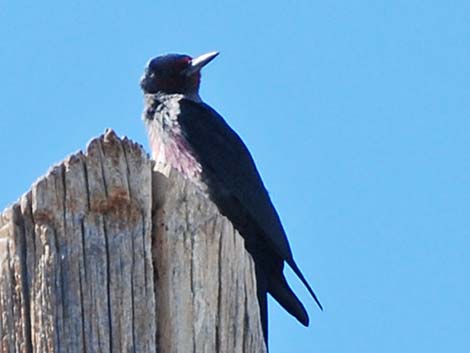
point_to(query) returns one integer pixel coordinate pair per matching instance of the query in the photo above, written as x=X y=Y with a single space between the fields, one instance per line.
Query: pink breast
x=175 y=152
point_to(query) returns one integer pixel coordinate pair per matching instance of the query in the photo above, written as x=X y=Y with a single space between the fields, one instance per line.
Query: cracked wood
x=105 y=255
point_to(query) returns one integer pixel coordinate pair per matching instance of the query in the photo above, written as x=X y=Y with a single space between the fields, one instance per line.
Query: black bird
x=193 y=138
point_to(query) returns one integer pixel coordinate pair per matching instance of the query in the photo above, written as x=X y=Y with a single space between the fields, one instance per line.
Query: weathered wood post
x=106 y=255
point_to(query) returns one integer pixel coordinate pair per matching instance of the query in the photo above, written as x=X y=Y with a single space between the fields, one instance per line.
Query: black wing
x=222 y=151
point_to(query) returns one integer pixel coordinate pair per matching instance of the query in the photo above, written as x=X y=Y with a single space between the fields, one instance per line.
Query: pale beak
x=198 y=63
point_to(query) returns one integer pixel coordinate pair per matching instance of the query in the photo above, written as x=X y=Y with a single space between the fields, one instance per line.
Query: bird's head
x=175 y=73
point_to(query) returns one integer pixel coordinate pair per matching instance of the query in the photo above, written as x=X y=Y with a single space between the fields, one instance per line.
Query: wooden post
x=106 y=255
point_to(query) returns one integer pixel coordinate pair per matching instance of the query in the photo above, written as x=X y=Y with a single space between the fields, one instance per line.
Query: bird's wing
x=220 y=149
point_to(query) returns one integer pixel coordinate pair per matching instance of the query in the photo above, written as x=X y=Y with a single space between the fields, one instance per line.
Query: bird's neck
x=163 y=96
x=193 y=96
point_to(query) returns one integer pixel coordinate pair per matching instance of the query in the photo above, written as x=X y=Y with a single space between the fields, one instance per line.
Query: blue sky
x=356 y=112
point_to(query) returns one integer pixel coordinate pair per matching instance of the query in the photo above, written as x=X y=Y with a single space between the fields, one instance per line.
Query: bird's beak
x=198 y=63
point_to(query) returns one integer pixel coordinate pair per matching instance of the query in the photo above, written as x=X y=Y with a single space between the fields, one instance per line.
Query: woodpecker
x=191 y=137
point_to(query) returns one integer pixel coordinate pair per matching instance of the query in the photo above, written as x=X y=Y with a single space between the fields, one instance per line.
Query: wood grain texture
x=206 y=297
x=105 y=255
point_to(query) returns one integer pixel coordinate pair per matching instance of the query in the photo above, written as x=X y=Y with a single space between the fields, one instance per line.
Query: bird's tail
x=297 y=271
x=281 y=291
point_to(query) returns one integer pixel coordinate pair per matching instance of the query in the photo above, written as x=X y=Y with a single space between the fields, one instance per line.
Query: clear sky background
x=356 y=112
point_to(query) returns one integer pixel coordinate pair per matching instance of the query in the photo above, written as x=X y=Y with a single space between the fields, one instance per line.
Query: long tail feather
x=297 y=271
x=281 y=291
